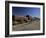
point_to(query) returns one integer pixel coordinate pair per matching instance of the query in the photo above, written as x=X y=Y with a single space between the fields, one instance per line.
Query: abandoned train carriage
x=22 y=19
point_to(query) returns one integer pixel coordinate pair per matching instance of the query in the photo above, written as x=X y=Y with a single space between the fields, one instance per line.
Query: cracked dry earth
x=34 y=25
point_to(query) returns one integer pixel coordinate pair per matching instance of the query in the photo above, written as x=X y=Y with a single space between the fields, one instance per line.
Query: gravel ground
x=34 y=25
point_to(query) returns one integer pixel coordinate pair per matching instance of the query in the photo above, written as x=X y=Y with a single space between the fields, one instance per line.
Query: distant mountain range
x=35 y=18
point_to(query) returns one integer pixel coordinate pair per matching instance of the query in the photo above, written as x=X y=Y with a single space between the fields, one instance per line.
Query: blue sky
x=22 y=11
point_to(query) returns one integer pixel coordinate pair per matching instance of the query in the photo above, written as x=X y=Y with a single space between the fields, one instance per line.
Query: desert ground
x=33 y=25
